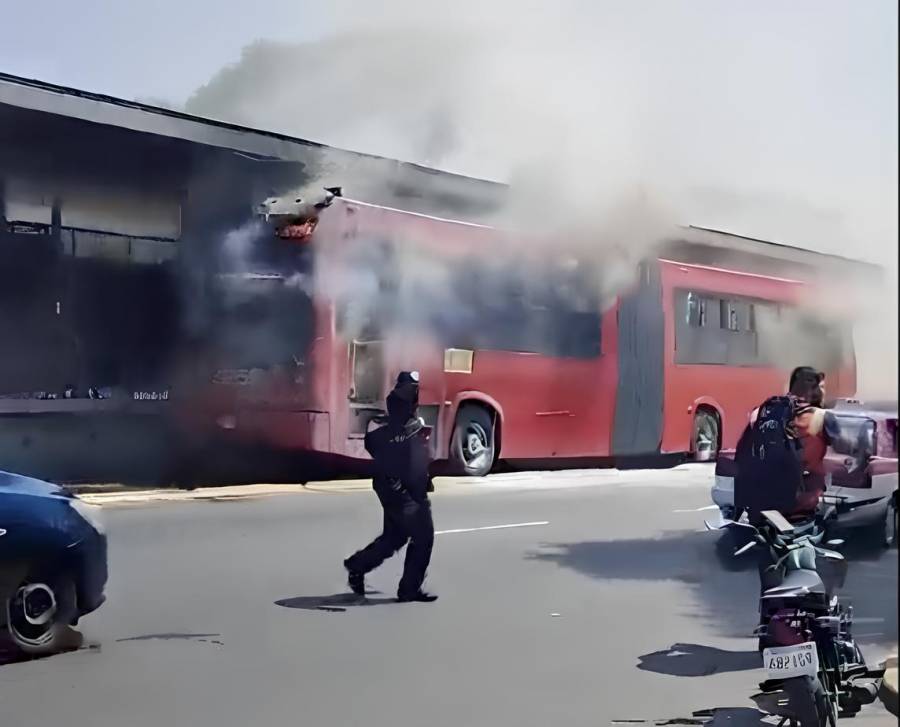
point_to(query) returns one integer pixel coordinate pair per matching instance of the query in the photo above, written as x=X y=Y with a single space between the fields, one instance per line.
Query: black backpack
x=769 y=460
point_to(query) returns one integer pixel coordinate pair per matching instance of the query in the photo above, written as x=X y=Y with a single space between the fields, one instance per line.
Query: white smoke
x=759 y=120
x=239 y=247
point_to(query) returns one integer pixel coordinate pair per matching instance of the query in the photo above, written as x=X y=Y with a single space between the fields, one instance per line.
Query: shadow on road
x=10 y=654
x=693 y=660
x=335 y=603
x=204 y=638
x=718 y=717
x=726 y=597
x=735 y=717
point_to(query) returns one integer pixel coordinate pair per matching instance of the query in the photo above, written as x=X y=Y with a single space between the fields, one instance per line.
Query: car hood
x=13 y=484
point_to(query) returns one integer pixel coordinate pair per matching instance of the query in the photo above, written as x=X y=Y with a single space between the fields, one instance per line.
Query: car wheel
x=705 y=439
x=38 y=615
x=890 y=524
x=472 y=444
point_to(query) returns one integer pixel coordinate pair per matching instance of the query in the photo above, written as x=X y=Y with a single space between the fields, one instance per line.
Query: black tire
x=705 y=436
x=889 y=524
x=39 y=615
x=472 y=446
x=810 y=703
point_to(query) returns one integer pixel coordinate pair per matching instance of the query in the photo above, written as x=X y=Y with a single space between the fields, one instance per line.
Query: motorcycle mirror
x=744 y=548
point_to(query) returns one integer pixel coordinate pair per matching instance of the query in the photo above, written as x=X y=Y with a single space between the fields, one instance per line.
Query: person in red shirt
x=814 y=429
x=817 y=429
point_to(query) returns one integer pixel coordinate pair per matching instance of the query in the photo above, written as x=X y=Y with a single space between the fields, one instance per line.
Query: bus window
x=728 y=315
x=503 y=308
x=716 y=330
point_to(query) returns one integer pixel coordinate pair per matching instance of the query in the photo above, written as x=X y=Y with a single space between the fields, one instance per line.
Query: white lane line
x=492 y=527
x=700 y=509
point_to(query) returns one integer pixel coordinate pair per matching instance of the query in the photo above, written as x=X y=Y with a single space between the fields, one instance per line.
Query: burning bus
x=151 y=329
x=523 y=357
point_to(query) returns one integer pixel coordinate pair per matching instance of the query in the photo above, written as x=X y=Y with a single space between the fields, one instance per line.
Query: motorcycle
x=815 y=672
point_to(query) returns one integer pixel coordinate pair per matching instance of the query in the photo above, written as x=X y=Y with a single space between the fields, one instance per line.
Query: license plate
x=784 y=662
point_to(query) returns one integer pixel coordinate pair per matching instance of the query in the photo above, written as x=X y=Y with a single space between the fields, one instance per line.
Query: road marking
x=492 y=527
x=700 y=509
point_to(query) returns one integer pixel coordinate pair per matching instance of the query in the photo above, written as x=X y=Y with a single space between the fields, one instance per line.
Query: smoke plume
x=613 y=120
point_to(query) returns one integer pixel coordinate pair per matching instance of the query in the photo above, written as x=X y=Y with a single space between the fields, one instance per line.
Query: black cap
x=404 y=398
x=407 y=377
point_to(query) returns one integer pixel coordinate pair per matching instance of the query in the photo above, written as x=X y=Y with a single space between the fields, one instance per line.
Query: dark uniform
x=401 y=481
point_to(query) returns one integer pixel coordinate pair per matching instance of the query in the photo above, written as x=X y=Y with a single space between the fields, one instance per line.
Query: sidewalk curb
x=134 y=492
x=124 y=497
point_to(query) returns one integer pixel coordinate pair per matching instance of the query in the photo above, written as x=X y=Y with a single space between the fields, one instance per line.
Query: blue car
x=53 y=565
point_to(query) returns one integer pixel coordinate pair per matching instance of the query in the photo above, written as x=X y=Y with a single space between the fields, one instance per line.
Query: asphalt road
x=235 y=613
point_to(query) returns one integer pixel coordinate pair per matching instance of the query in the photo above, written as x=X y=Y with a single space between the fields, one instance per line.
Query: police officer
x=401 y=481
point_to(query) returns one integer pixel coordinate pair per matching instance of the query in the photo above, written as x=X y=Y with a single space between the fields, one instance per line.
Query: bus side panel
x=732 y=390
x=640 y=393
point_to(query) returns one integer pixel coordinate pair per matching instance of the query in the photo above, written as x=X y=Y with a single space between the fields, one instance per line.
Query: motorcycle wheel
x=810 y=703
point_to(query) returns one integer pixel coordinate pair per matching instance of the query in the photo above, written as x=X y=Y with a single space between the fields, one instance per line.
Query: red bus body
x=639 y=396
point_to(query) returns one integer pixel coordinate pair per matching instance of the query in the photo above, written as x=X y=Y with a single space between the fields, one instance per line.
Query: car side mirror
x=867 y=441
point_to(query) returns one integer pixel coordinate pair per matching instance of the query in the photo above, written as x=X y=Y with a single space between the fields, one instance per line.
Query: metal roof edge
x=108 y=110
x=771 y=249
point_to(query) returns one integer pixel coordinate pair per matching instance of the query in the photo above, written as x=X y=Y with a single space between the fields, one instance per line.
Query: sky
x=797 y=100
x=771 y=119
x=163 y=49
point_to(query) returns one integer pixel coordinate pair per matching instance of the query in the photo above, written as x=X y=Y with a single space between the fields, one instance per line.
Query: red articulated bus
x=518 y=359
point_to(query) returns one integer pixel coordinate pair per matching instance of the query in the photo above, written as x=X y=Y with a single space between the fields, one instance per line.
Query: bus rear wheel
x=705 y=438
x=472 y=450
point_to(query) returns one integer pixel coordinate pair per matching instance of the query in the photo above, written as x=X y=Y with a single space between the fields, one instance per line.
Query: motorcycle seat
x=797 y=582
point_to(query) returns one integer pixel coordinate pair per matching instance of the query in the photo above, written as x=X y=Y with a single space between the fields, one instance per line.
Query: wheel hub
x=38 y=603
x=476 y=444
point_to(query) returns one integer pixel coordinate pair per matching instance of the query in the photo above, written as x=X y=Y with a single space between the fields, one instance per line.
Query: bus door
x=368 y=386
x=640 y=394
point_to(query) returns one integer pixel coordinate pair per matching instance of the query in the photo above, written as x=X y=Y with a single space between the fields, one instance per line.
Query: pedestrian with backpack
x=780 y=456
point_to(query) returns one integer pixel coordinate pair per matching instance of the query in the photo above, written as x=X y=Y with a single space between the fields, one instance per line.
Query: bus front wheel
x=705 y=439
x=472 y=445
